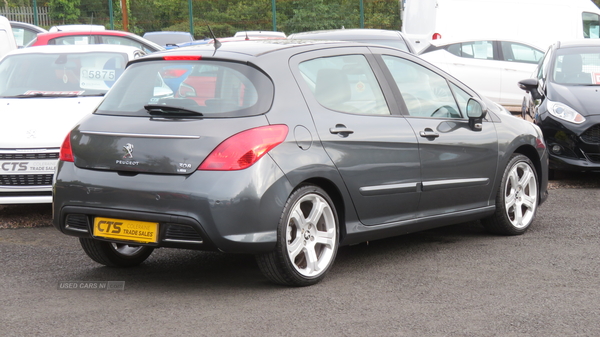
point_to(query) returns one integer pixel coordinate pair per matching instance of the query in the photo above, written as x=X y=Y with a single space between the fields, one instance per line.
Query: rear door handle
x=341 y=130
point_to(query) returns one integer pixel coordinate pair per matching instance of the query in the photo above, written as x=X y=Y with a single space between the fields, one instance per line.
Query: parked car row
x=286 y=148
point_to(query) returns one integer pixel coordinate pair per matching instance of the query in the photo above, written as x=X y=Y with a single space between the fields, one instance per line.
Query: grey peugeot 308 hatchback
x=287 y=150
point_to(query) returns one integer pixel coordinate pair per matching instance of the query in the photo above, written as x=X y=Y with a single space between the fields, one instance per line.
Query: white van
x=7 y=39
x=539 y=22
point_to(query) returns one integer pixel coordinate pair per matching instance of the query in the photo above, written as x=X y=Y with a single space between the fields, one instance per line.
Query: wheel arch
x=336 y=196
x=533 y=155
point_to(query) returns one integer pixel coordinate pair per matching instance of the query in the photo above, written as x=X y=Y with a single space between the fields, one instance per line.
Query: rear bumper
x=235 y=212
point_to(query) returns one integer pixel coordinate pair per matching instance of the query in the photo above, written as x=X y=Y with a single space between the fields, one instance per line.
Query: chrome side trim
x=184 y=241
x=388 y=189
x=138 y=135
x=453 y=183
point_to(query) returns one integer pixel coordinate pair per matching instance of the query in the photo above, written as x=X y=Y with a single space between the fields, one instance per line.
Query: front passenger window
x=425 y=93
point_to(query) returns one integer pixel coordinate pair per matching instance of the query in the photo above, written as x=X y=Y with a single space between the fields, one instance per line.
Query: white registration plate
x=96 y=78
x=27 y=166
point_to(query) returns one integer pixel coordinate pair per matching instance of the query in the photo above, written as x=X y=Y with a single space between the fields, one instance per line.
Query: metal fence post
x=362 y=15
x=35 y=13
x=191 y=17
x=274 y=15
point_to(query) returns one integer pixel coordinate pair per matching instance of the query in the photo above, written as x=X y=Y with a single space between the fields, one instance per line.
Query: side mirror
x=530 y=85
x=476 y=111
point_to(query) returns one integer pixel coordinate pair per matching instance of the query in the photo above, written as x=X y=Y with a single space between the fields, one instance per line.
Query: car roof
x=259 y=33
x=245 y=50
x=51 y=35
x=445 y=42
x=77 y=49
x=76 y=28
x=18 y=24
x=578 y=43
x=339 y=33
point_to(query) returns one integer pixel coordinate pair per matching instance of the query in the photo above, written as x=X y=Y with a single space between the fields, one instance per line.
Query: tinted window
x=591 y=25
x=23 y=36
x=477 y=49
x=543 y=67
x=577 y=66
x=68 y=40
x=120 y=40
x=425 y=93
x=346 y=84
x=214 y=89
x=462 y=97
x=517 y=52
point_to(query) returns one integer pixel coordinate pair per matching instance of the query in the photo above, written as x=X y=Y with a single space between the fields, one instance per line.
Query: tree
x=65 y=11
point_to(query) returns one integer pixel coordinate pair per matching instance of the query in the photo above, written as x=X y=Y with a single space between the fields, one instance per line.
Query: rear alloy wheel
x=307 y=239
x=516 y=200
x=115 y=254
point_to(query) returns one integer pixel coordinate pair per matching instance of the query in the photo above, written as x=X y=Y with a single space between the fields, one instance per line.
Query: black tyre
x=516 y=200
x=307 y=239
x=114 y=254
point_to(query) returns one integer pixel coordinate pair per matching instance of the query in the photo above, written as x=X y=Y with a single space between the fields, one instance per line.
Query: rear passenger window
x=346 y=84
x=73 y=40
x=425 y=93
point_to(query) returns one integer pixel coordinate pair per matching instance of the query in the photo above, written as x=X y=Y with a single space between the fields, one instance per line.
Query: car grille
x=77 y=222
x=592 y=135
x=593 y=157
x=179 y=233
x=25 y=179
x=28 y=156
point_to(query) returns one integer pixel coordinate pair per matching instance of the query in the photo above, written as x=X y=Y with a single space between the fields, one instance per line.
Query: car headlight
x=564 y=112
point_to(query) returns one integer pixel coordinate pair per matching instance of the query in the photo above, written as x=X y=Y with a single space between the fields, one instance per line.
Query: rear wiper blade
x=42 y=95
x=159 y=109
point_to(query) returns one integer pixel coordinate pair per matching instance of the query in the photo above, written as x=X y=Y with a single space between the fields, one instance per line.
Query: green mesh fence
x=225 y=17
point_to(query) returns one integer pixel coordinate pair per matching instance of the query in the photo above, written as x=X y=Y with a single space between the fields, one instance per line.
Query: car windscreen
x=60 y=74
x=577 y=66
x=202 y=88
x=165 y=38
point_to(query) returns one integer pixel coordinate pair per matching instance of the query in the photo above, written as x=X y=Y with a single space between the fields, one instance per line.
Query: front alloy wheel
x=307 y=239
x=517 y=198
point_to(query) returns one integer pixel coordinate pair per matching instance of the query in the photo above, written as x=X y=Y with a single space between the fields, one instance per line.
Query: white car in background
x=491 y=67
x=44 y=91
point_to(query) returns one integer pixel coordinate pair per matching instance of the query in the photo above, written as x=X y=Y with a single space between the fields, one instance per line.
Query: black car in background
x=564 y=101
x=390 y=38
x=286 y=150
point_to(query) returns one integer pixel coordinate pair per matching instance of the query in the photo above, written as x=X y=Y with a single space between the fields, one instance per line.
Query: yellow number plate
x=137 y=231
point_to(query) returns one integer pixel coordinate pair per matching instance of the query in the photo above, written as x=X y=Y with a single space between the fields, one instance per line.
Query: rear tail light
x=242 y=150
x=66 y=154
x=436 y=36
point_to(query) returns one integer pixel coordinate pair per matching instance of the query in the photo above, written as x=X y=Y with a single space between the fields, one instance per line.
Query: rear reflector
x=182 y=58
x=66 y=154
x=242 y=150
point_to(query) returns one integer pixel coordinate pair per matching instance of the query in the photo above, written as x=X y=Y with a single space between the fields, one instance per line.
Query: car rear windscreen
x=208 y=88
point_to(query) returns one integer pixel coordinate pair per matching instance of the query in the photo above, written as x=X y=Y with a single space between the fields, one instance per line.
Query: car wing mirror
x=530 y=85
x=476 y=111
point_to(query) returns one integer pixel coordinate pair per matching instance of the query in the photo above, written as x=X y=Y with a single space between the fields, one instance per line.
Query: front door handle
x=428 y=133
x=341 y=130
